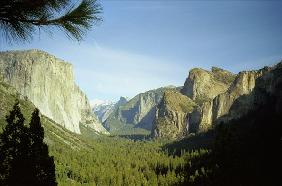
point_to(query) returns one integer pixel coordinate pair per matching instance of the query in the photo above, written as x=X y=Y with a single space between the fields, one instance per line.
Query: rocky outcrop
x=268 y=85
x=216 y=109
x=172 y=115
x=138 y=112
x=200 y=88
x=202 y=85
x=215 y=92
x=218 y=96
x=49 y=83
x=250 y=92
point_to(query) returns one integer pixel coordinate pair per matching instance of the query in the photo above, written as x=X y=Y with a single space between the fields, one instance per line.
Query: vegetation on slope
x=92 y=159
x=243 y=153
x=24 y=158
x=178 y=102
x=223 y=75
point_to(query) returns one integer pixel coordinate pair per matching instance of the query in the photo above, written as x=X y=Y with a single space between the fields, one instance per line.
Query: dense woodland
x=245 y=151
x=242 y=152
x=24 y=157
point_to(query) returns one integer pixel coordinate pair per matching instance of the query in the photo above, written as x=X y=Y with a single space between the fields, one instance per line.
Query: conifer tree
x=42 y=165
x=20 y=18
x=24 y=158
x=13 y=146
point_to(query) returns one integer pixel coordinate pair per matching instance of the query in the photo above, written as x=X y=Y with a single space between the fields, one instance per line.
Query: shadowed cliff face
x=267 y=84
x=242 y=87
x=218 y=96
x=49 y=83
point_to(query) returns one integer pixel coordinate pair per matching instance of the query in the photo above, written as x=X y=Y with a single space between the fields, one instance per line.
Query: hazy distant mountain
x=103 y=109
x=138 y=112
x=97 y=102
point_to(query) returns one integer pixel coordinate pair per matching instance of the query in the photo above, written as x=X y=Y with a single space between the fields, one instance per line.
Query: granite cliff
x=202 y=85
x=172 y=113
x=215 y=96
x=243 y=84
x=267 y=84
x=49 y=84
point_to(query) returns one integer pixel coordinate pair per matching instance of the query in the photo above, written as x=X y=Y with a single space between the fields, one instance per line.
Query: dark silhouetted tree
x=20 y=18
x=43 y=166
x=13 y=145
x=24 y=158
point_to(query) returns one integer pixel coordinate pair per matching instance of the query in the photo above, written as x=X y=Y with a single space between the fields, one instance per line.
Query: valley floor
x=116 y=161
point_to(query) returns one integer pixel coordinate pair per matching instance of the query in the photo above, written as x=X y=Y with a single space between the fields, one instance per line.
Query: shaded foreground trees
x=24 y=158
x=246 y=151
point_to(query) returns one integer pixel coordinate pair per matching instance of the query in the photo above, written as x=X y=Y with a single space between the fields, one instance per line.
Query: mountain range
x=218 y=127
x=205 y=99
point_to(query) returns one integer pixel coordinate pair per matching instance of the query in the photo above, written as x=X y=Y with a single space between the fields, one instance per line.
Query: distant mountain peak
x=98 y=102
x=122 y=100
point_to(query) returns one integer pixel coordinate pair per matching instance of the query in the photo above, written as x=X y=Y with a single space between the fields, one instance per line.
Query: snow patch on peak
x=98 y=102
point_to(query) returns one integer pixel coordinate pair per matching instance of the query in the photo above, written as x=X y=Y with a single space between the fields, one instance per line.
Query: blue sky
x=142 y=45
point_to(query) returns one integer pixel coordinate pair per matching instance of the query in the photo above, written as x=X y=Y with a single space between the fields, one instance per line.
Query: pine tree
x=20 y=18
x=42 y=165
x=24 y=158
x=13 y=147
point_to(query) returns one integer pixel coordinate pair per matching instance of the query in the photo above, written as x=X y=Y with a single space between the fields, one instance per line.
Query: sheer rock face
x=172 y=115
x=267 y=86
x=216 y=96
x=49 y=83
x=199 y=89
x=202 y=85
x=243 y=85
x=221 y=104
x=236 y=101
x=215 y=92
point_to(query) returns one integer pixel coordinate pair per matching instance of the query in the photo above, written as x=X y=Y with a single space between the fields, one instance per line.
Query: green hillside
x=92 y=159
